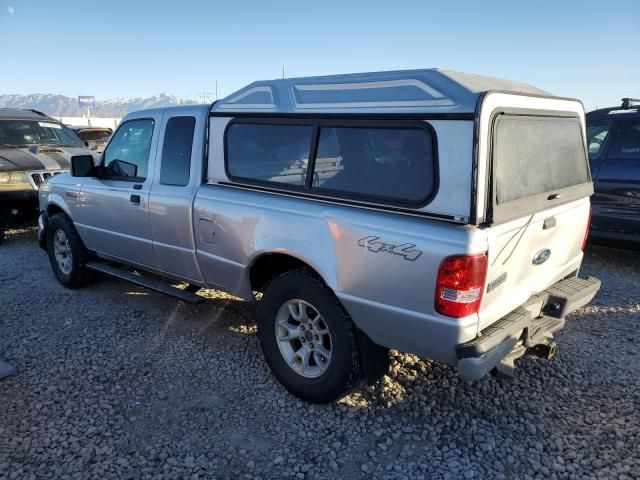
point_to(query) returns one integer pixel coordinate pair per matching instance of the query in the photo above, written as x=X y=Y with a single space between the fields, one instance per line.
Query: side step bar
x=150 y=283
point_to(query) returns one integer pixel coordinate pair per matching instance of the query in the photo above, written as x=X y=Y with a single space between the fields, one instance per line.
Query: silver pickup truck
x=429 y=211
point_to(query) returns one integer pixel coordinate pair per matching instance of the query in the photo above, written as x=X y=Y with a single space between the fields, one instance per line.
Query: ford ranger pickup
x=434 y=212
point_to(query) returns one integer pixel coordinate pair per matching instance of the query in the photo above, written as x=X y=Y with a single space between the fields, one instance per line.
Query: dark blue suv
x=613 y=139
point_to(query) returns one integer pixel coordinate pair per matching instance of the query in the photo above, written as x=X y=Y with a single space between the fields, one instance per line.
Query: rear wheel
x=67 y=253
x=307 y=338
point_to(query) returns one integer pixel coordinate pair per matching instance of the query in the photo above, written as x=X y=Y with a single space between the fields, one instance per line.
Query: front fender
x=54 y=201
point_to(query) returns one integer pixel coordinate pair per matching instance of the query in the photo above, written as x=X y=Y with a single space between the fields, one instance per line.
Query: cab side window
x=626 y=143
x=127 y=156
x=175 y=165
x=597 y=134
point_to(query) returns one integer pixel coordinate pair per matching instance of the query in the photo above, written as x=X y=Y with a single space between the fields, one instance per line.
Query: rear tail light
x=460 y=284
x=586 y=232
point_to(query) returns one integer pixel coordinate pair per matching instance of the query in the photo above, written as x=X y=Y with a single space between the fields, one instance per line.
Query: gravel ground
x=117 y=382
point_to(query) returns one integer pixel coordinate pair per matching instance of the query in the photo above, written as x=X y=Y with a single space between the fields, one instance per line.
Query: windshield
x=26 y=133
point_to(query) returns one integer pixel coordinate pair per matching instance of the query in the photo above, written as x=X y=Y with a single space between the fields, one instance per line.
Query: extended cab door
x=179 y=173
x=617 y=198
x=113 y=209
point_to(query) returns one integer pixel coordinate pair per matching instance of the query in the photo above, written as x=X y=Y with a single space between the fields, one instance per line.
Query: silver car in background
x=429 y=211
x=94 y=138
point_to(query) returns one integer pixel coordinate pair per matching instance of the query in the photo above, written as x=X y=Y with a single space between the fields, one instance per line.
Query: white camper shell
x=458 y=106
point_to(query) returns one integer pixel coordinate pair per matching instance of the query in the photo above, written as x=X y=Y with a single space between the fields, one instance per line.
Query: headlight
x=13 y=178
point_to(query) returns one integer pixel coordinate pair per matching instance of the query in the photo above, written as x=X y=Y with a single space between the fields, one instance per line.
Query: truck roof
x=630 y=108
x=23 y=113
x=407 y=91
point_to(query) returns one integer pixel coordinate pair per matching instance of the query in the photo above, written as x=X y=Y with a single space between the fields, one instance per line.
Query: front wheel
x=307 y=338
x=67 y=253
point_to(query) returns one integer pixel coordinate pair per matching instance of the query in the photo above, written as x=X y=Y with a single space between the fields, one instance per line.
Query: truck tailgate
x=529 y=254
x=538 y=209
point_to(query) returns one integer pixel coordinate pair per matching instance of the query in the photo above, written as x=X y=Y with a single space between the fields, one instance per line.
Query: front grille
x=39 y=177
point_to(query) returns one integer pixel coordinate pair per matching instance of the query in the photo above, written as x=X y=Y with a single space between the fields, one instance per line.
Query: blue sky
x=113 y=48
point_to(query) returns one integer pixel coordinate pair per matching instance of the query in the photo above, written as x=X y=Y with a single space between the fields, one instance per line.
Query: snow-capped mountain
x=61 y=106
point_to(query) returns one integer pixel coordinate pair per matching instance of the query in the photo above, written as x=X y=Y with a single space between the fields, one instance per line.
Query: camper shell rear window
x=393 y=163
x=538 y=161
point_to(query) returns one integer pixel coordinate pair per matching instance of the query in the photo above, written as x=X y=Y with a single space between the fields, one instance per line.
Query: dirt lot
x=117 y=382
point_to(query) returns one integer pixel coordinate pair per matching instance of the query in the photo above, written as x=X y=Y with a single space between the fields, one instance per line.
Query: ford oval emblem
x=541 y=256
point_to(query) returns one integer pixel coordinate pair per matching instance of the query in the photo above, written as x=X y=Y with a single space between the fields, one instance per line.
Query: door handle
x=137 y=186
x=135 y=199
x=549 y=223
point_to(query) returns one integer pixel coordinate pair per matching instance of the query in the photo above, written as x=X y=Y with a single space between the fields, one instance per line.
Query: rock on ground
x=6 y=369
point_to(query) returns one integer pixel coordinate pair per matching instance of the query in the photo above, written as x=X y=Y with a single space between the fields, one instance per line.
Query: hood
x=39 y=158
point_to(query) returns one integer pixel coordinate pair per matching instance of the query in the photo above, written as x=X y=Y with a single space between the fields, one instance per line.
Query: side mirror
x=83 y=166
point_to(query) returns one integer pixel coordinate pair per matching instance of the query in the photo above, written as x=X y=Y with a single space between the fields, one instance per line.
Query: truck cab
x=139 y=208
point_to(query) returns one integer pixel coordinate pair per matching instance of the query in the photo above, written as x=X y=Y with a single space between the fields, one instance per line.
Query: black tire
x=344 y=371
x=79 y=275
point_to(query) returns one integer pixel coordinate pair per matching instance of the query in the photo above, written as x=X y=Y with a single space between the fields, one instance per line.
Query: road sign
x=86 y=101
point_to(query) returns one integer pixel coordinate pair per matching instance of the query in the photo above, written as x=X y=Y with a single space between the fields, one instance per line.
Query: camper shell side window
x=393 y=163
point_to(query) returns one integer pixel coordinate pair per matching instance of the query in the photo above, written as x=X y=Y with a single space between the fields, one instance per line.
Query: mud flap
x=375 y=359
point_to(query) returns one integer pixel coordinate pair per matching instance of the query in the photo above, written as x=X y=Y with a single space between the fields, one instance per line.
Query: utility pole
x=205 y=94
x=284 y=72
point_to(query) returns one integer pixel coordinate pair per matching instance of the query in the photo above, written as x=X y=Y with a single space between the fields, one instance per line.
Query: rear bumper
x=530 y=327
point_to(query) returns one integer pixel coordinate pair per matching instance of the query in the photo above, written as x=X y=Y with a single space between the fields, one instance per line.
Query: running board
x=150 y=283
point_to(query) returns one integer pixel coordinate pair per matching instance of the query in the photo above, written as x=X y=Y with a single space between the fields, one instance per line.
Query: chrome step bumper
x=528 y=327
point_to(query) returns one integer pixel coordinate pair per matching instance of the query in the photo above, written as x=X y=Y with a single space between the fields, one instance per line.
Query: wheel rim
x=304 y=338
x=62 y=251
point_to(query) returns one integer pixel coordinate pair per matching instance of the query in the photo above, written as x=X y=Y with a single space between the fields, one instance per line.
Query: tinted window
x=176 y=151
x=94 y=135
x=128 y=152
x=19 y=133
x=596 y=136
x=274 y=153
x=534 y=155
x=626 y=143
x=377 y=162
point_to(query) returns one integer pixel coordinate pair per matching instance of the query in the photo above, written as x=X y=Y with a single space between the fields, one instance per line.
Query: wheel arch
x=53 y=208
x=267 y=265
x=55 y=204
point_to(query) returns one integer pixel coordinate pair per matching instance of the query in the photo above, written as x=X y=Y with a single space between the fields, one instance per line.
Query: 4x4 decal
x=404 y=250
